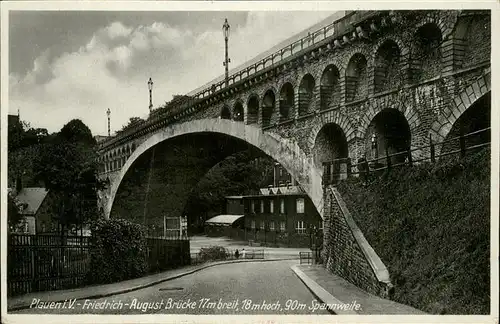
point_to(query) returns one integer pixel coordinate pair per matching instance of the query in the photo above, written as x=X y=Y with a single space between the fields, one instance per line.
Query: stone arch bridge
x=407 y=77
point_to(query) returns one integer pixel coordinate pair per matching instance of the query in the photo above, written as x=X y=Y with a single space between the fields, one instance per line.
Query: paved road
x=239 y=288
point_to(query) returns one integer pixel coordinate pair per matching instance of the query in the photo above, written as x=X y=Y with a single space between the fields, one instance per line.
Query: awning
x=223 y=220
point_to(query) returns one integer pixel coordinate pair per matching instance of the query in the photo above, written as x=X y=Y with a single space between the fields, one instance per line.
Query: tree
x=240 y=173
x=13 y=210
x=68 y=167
x=77 y=132
x=23 y=146
x=132 y=122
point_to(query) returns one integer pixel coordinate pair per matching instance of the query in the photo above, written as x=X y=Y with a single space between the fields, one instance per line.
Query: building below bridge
x=280 y=215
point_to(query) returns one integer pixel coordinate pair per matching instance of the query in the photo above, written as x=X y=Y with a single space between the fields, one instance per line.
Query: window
x=300 y=205
x=26 y=227
x=262 y=206
x=282 y=226
x=271 y=206
x=262 y=225
x=253 y=206
x=300 y=227
x=252 y=224
x=321 y=225
x=271 y=226
x=282 y=206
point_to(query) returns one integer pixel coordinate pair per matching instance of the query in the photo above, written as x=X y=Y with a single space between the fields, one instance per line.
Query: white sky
x=65 y=65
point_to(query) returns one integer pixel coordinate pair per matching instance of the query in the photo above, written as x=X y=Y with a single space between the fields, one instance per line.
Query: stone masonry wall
x=465 y=44
x=342 y=254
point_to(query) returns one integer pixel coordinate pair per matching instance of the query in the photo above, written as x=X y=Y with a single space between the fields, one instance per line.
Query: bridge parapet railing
x=339 y=169
x=334 y=29
x=312 y=39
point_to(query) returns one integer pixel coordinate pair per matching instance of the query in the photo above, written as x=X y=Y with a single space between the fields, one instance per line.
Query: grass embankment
x=430 y=225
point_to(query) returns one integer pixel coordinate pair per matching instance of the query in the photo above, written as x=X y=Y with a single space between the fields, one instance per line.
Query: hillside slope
x=430 y=224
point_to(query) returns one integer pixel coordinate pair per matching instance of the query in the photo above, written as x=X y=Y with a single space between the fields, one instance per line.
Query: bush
x=430 y=224
x=213 y=253
x=119 y=251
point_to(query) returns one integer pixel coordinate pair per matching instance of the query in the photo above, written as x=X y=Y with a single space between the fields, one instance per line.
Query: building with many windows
x=282 y=216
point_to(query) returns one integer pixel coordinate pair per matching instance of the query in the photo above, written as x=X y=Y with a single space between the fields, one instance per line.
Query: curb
x=152 y=283
x=321 y=293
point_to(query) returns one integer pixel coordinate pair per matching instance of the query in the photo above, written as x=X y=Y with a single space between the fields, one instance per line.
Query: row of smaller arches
x=389 y=68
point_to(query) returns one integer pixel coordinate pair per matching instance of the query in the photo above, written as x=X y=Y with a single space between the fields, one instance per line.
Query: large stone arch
x=441 y=127
x=286 y=152
x=333 y=117
x=400 y=104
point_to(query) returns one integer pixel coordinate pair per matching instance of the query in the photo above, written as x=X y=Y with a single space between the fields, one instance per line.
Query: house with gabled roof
x=36 y=207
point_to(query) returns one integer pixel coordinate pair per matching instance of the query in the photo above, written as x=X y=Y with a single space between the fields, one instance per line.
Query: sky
x=77 y=64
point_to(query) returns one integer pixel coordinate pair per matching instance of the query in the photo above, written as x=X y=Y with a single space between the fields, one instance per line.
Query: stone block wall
x=346 y=254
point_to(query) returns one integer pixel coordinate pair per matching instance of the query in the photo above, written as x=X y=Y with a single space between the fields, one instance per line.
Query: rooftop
x=33 y=198
x=223 y=219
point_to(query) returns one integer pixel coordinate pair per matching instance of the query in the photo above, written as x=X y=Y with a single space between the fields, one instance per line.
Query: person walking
x=237 y=254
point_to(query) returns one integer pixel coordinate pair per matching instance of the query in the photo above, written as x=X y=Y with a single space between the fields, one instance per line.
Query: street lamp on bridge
x=109 y=122
x=150 y=87
x=225 y=30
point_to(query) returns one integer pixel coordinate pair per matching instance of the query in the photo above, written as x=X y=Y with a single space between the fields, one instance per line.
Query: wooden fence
x=337 y=169
x=46 y=262
x=51 y=262
x=167 y=253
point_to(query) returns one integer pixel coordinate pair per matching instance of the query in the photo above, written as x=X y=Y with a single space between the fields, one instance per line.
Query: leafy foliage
x=240 y=173
x=13 y=210
x=430 y=224
x=132 y=122
x=119 y=251
x=77 y=132
x=68 y=166
x=213 y=253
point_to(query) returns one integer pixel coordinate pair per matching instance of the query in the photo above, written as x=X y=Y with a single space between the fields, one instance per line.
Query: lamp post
x=225 y=30
x=109 y=123
x=150 y=87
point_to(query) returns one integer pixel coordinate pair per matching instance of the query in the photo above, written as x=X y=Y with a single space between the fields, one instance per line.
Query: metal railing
x=332 y=30
x=306 y=257
x=197 y=258
x=335 y=29
x=333 y=173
